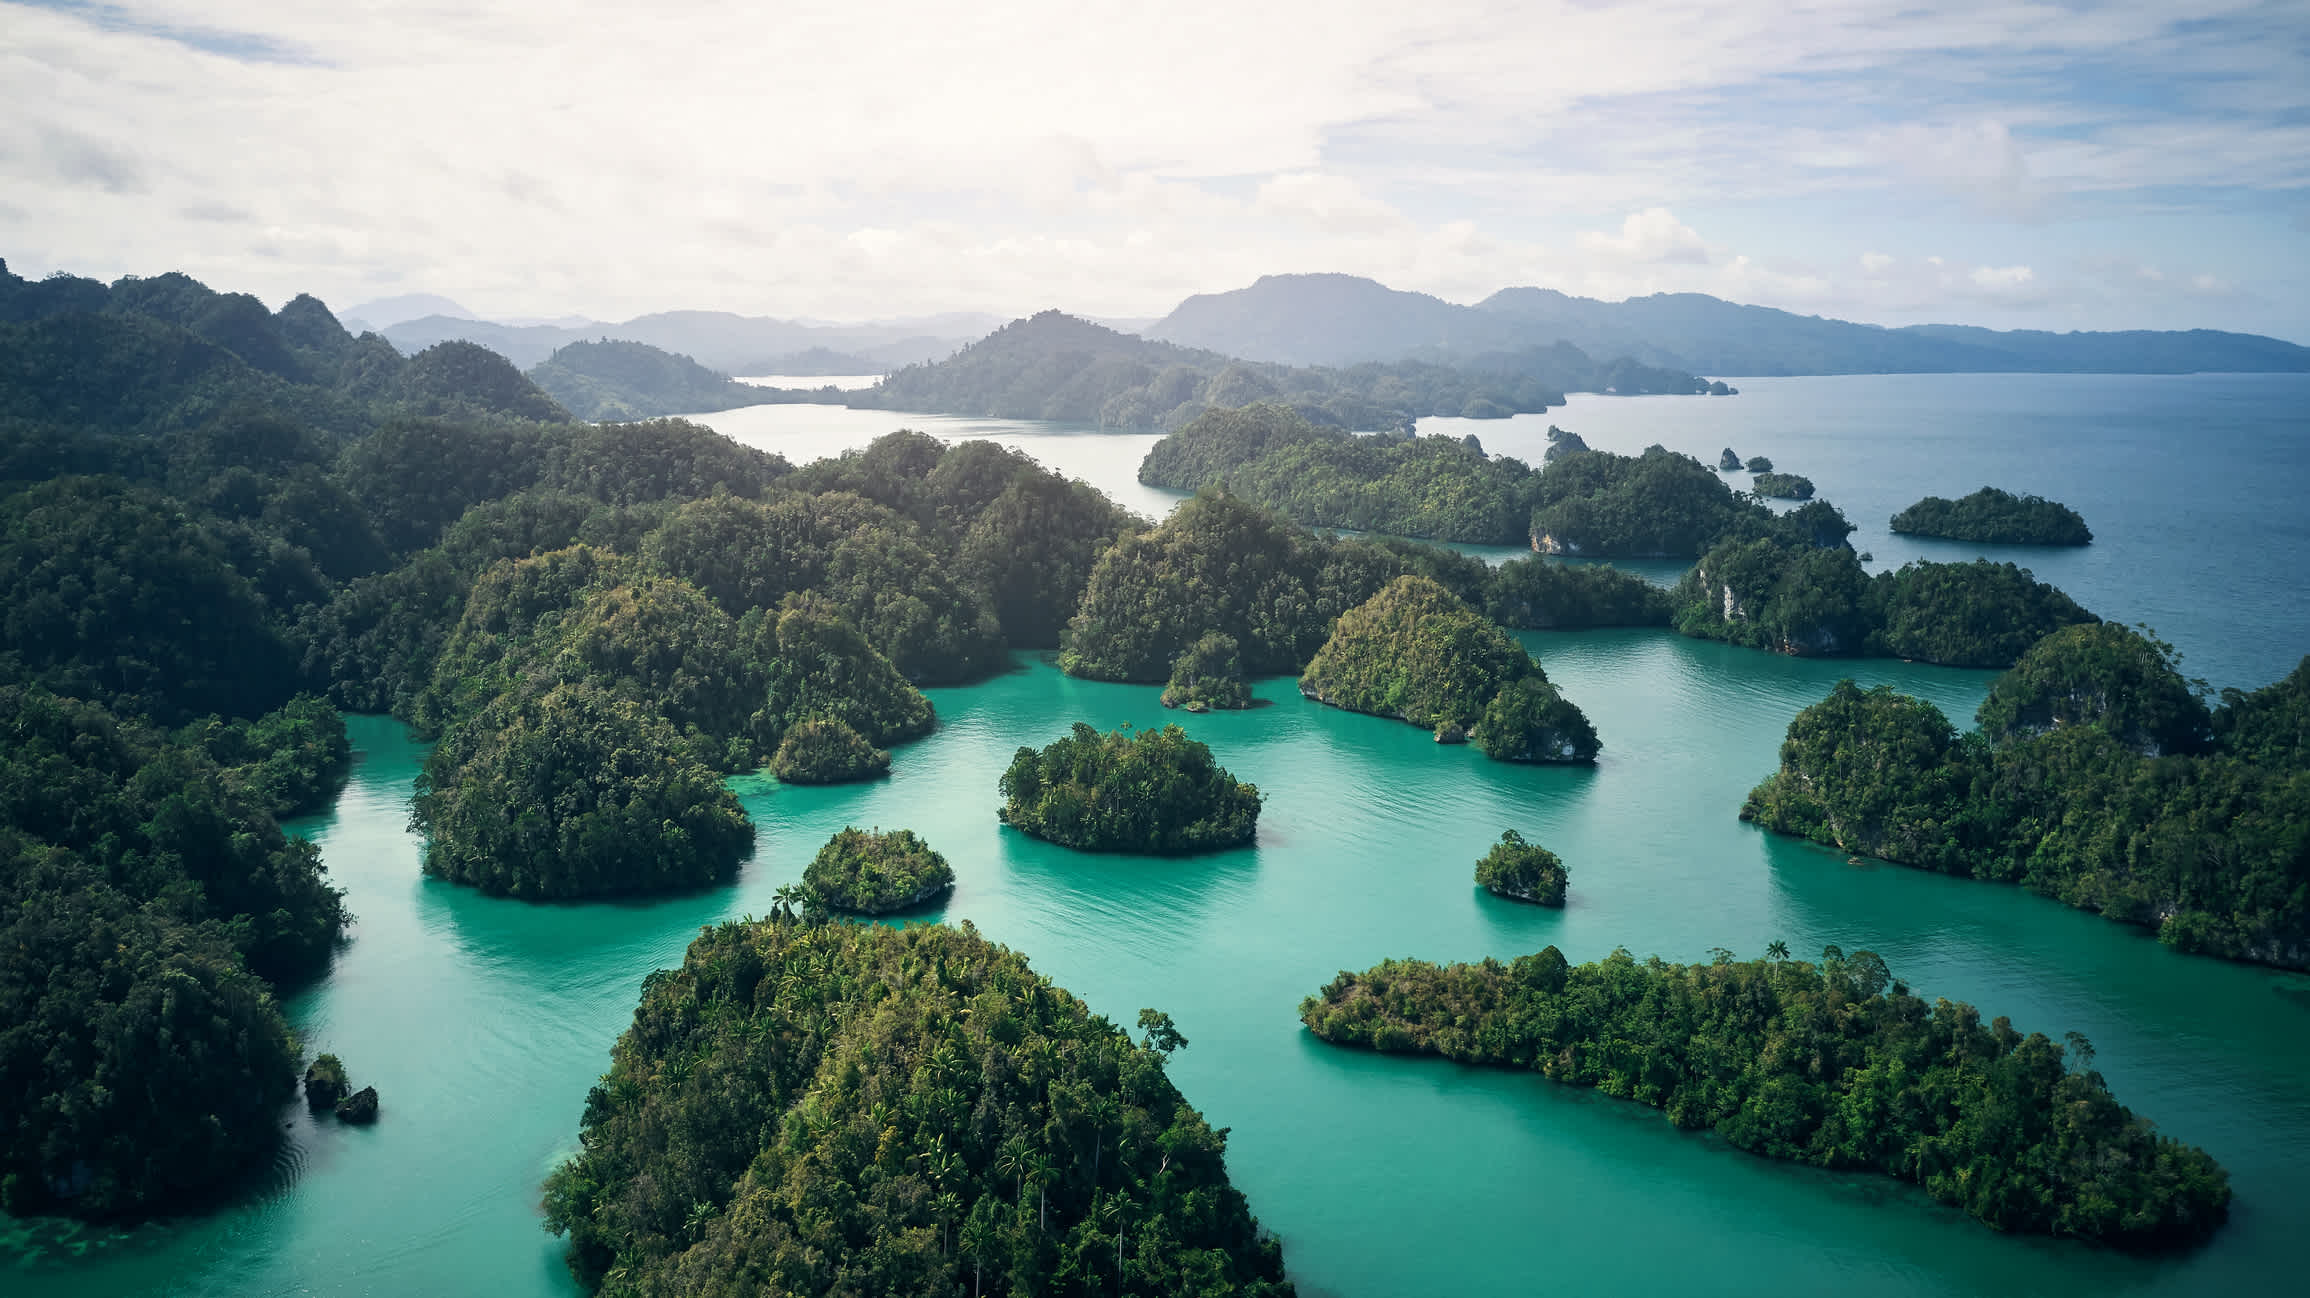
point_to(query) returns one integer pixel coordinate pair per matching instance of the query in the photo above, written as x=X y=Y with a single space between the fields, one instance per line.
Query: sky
x=2039 y=165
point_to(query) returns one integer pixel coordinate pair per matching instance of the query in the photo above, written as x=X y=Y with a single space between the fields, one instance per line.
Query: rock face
x=324 y=1083
x=1728 y=461
x=359 y=1108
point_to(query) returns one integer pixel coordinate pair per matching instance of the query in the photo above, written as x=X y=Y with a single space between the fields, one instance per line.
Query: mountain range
x=721 y=340
x=1343 y=319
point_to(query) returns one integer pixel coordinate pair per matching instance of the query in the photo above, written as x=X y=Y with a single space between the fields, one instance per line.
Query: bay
x=482 y=1023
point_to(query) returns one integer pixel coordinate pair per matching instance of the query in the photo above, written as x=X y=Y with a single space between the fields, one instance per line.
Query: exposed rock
x=1728 y=461
x=359 y=1108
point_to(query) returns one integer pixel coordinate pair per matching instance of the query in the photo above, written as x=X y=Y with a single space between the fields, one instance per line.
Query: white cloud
x=1652 y=235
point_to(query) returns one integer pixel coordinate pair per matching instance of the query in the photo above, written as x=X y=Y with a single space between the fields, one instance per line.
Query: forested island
x=1993 y=517
x=2098 y=777
x=1209 y=674
x=613 y=380
x=1055 y=366
x=1418 y=653
x=1156 y=791
x=1522 y=871
x=1834 y=1064
x=828 y=1076
x=1782 y=486
x=863 y=872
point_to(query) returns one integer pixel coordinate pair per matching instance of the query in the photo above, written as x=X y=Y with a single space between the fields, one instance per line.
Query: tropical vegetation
x=1523 y=871
x=1833 y=1064
x=1155 y=791
x=867 y=1109
x=1207 y=675
x=1994 y=517
x=864 y=872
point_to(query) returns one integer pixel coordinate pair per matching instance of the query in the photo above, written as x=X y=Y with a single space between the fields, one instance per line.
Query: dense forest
x=1783 y=590
x=895 y=1111
x=864 y=872
x=612 y=380
x=2098 y=777
x=1782 y=486
x=1993 y=517
x=1156 y=791
x=1208 y=674
x=1054 y=366
x=1523 y=871
x=1417 y=652
x=1833 y=1064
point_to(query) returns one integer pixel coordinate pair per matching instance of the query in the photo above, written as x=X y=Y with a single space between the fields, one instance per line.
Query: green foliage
x=617 y=379
x=1760 y=464
x=2270 y=726
x=1417 y=652
x=874 y=873
x=289 y=762
x=2211 y=851
x=857 y=554
x=1524 y=871
x=1410 y=486
x=1542 y=594
x=325 y=1083
x=822 y=750
x=894 y=1111
x=1783 y=486
x=1977 y=614
x=1993 y=517
x=1834 y=1065
x=1789 y=594
x=1220 y=563
x=1658 y=505
x=459 y=378
x=2102 y=675
x=1209 y=674
x=1155 y=791
x=574 y=792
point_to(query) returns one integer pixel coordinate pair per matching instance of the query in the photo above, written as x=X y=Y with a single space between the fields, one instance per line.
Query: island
x=1522 y=871
x=1993 y=517
x=1546 y=594
x=862 y=872
x=1561 y=442
x=1658 y=505
x=827 y=750
x=1418 y=653
x=325 y=1083
x=2094 y=751
x=1155 y=791
x=359 y=1108
x=1760 y=464
x=1729 y=462
x=1048 y=1152
x=614 y=379
x=1782 y=486
x=2014 y=1130
x=574 y=792
x=1209 y=674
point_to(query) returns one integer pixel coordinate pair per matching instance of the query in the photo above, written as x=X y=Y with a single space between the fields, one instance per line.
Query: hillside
x=1342 y=320
x=720 y=340
x=1055 y=366
x=617 y=380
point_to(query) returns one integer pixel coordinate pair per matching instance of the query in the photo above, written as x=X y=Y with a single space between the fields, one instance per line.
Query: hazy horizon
x=2042 y=166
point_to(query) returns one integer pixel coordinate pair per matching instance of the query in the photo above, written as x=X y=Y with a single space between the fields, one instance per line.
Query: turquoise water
x=482 y=1023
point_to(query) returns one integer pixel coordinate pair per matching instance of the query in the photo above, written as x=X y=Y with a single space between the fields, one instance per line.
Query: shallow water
x=482 y=1023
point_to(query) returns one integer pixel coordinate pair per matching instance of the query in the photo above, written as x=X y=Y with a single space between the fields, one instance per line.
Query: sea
x=482 y=1023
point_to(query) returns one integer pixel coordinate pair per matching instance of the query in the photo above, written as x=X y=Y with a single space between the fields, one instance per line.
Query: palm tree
x=784 y=901
x=1779 y=950
x=1011 y=1160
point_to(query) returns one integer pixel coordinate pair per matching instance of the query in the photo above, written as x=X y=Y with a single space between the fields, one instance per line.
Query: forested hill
x=1055 y=366
x=1343 y=320
x=166 y=352
x=614 y=379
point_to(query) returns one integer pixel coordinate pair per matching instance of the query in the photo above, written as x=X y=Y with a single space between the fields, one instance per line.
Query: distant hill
x=613 y=379
x=386 y=312
x=1055 y=366
x=815 y=360
x=167 y=351
x=1343 y=319
x=719 y=340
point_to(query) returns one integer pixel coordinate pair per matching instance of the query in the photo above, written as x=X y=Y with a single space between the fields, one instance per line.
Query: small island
x=325 y=1083
x=1728 y=462
x=861 y=872
x=2016 y=1131
x=1562 y=442
x=1760 y=464
x=359 y=1108
x=574 y=792
x=1156 y=792
x=1208 y=675
x=1783 y=486
x=1993 y=517
x=903 y=1111
x=826 y=750
x=1418 y=653
x=1522 y=871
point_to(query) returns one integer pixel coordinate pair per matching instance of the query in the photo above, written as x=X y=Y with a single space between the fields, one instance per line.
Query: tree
x=1162 y=1034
